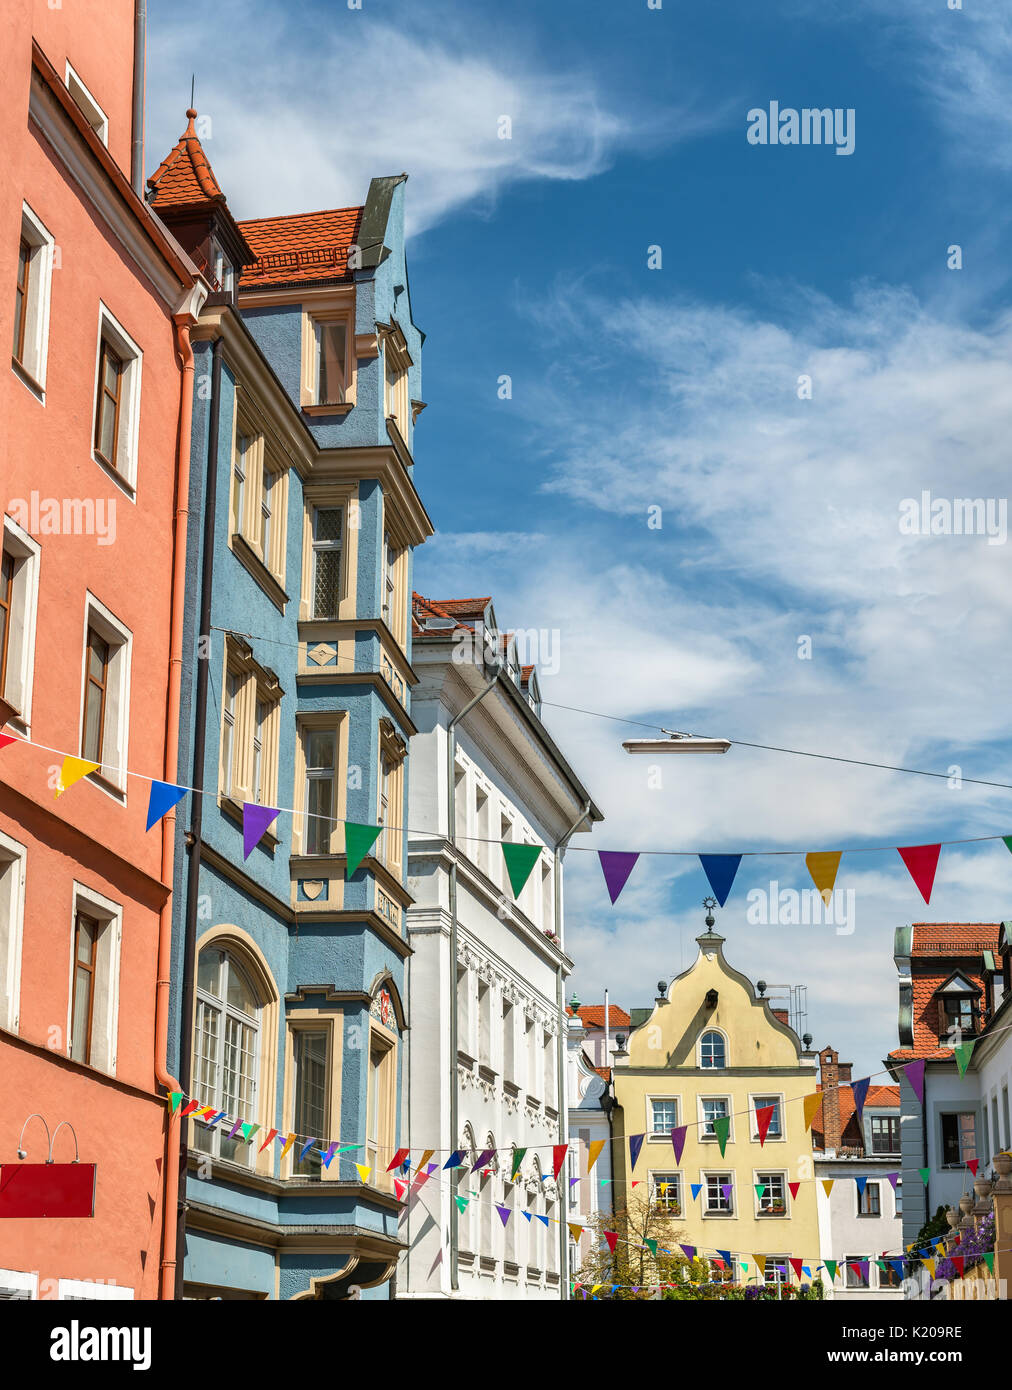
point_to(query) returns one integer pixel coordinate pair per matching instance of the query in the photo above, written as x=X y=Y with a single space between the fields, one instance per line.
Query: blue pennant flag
x=164 y=795
x=697 y=1188
x=861 y=1185
x=720 y=869
x=859 y=1090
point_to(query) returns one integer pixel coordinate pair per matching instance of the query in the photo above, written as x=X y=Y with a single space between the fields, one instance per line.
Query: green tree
x=633 y=1264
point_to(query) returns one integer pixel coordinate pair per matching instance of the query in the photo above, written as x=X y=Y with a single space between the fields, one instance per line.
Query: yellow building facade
x=713 y=1049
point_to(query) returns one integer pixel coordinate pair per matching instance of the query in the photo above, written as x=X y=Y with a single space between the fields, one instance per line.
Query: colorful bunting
x=267 y=1141
x=248 y=1131
x=596 y=1145
x=611 y=1237
x=456 y=1160
x=484 y=1157
x=972 y=1164
x=689 y=1251
x=287 y=1140
x=722 y=1128
x=963 y=1052
x=358 y=841
x=827 y=1183
x=520 y=860
x=73 y=770
x=164 y=795
x=678 y=1141
x=174 y=1098
x=720 y=870
x=558 y=1158
x=823 y=869
x=617 y=866
x=635 y=1144
x=697 y=1188
x=810 y=1105
x=189 y=1109
x=763 y=1117
x=504 y=1213
x=424 y=1159
x=921 y=861
x=915 y=1075
x=255 y=820
x=859 y=1090
x=234 y=1130
x=794 y=1189
x=398 y=1159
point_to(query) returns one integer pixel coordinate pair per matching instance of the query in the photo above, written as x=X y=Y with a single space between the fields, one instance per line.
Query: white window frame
x=849 y=1272
x=335 y=320
x=780 y=1173
x=112 y=775
x=32 y=366
x=673 y=1177
x=93 y=113
x=21 y=637
x=778 y=1097
x=860 y=1196
x=676 y=1101
x=81 y=1290
x=705 y=1138
x=201 y=996
x=13 y=865
x=699 y=1049
x=731 y=1214
x=104 y=1025
x=319 y=546
x=125 y=470
x=18 y=1285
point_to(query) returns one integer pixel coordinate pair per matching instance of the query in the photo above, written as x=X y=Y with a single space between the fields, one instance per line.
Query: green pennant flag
x=520 y=860
x=760 y=1188
x=248 y=1131
x=358 y=841
x=989 y=1259
x=722 y=1128
x=963 y=1052
x=831 y=1266
x=174 y=1098
x=461 y=1203
x=882 y=1266
x=652 y=1247
x=925 y=1174
x=1008 y=842
x=518 y=1158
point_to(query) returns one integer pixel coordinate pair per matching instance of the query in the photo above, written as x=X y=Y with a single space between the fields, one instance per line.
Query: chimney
x=829 y=1069
x=844 y=1069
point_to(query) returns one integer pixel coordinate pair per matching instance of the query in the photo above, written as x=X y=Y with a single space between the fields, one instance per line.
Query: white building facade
x=486 y=1068
x=590 y=1192
x=858 y=1225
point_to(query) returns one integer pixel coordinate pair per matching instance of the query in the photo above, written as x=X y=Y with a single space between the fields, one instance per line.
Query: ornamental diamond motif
x=322 y=654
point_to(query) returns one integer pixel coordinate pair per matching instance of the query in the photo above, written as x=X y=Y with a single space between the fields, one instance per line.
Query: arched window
x=712 y=1051
x=226 y=1052
x=466 y=1227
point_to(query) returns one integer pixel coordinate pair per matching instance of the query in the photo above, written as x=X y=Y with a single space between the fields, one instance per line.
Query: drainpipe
x=451 y=835
x=137 y=130
x=560 y=1065
x=197 y=779
x=167 y=1271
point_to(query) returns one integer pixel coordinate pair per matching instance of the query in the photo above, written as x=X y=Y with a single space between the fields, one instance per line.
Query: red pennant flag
x=398 y=1161
x=611 y=1237
x=794 y=1189
x=763 y=1116
x=959 y=1261
x=558 y=1158
x=797 y=1266
x=921 y=861
x=189 y=1109
x=400 y=1188
x=7 y=738
x=972 y=1163
x=267 y=1141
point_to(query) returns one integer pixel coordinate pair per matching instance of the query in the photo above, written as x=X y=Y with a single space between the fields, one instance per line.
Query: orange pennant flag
x=574 y=1230
x=595 y=1150
x=289 y=1141
x=424 y=1159
x=72 y=771
x=761 y=1262
x=929 y=1265
x=828 y=1184
x=823 y=868
x=811 y=1105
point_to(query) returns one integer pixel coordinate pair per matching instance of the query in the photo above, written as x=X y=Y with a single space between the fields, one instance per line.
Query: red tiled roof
x=593 y=1015
x=460 y=607
x=525 y=673
x=604 y=1071
x=954 y=939
x=878 y=1097
x=299 y=247
x=937 y=950
x=422 y=608
x=184 y=178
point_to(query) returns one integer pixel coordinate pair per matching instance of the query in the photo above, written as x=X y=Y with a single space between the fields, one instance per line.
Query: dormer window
x=957 y=1008
x=221 y=268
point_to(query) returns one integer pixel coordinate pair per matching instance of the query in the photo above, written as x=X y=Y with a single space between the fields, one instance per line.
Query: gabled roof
x=185 y=177
x=592 y=1015
x=301 y=247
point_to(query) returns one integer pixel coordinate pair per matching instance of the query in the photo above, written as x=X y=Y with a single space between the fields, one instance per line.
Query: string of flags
x=921 y=861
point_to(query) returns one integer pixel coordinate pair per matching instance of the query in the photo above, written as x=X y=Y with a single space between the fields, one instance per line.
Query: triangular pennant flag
x=725 y=1257
x=823 y=869
x=484 y=1157
x=861 y=1184
x=545 y=1219
x=760 y=1264
x=972 y=1164
x=306 y=1148
x=697 y=1188
x=174 y=1097
x=520 y=860
x=925 y=1174
x=915 y=1075
x=651 y=1246
x=726 y=1189
x=573 y=1182
x=828 y=1184
x=424 y=1159
x=898 y=1267
x=678 y=1141
x=248 y=1131
x=794 y=1188
x=400 y=1188
x=8 y=738
x=518 y=1158
x=504 y=1213
x=234 y=1130
x=164 y=795
x=189 y=1108
x=720 y=870
x=862 y=1266
x=859 y=1090
x=398 y=1159
x=810 y=1105
x=921 y=861
x=617 y=866
x=831 y=1266
x=462 y=1203
x=255 y=820
x=456 y=1160
x=635 y=1144
x=960 y=1262
x=611 y=1237
x=575 y=1231
x=989 y=1260
x=963 y=1052
x=329 y=1154
x=689 y=1251
x=558 y=1158
x=596 y=1145
x=722 y=1128
x=893 y=1179
x=215 y=1119
x=527 y=1217
x=72 y=771
x=267 y=1141
x=358 y=841
x=760 y=1188
x=287 y=1141
x=929 y=1265
x=797 y=1266
x=763 y=1117
x=363 y=1171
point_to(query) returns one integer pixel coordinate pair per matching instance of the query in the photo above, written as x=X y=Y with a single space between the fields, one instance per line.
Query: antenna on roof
x=193 y=80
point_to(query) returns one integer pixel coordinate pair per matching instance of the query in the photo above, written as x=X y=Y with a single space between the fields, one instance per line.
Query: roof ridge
x=290 y=216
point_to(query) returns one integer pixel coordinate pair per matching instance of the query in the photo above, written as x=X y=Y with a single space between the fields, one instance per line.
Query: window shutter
x=942 y=1025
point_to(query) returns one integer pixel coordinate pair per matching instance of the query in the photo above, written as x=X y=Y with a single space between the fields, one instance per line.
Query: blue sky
x=677 y=388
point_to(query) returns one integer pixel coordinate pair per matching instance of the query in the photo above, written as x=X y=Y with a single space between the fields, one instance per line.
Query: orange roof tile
x=593 y=1015
x=304 y=246
x=878 y=1098
x=954 y=938
x=184 y=178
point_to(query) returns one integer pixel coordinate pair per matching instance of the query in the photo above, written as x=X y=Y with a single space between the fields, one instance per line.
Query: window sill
x=338 y=408
x=106 y=785
x=25 y=377
x=251 y=561
x=120 y=479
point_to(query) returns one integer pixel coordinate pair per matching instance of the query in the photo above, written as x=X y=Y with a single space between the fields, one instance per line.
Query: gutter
x=137 y=120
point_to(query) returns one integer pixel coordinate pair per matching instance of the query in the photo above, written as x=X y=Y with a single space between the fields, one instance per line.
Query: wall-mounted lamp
x=23 y=1153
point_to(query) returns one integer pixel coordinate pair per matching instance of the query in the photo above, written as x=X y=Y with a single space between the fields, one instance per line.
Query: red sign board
x=47 y=1189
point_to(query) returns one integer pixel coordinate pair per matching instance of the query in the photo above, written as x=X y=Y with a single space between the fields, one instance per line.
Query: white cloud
x=303 y=116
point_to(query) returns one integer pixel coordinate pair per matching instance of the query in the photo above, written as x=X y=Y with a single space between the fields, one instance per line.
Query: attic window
x=221 y=268
x=94 y=114
x=957 y=1011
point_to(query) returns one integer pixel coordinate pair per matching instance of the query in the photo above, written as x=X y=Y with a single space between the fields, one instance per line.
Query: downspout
x=167 y=1271
x=137 y=127
x=560 y=1064
x=451 y=835
x=197 y=780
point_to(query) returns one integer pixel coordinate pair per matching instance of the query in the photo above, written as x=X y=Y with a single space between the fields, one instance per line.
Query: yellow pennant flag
x=929 y=1265
x=289 y=1141
x=761 y=1262
x=828 y=1184
x=363 y=1171
x=663 y=1188
x=811 y=1105
x=72 y=771
x=595 y=1151
x=424 y=1159
x=822 y=868
x=575 y=1231
x=596 y=1287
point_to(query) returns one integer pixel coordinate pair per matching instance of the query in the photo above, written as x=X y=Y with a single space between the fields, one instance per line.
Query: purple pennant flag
x=329 y=1154
x=689 y=1251
x=860 y=1091
x=234 y=1130
x=863 y=1267
x=894 y=1179
x=483 y=1158
x=573 y=1181
x=726 y=1188
x=504 y=1213
x=617 y=866
x=915 y=1075
x=720 y=869
x=255 y=820
x=678 y=1141
x=635 y=1144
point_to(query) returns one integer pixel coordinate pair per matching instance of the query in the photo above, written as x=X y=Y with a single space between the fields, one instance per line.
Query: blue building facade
x=288 y=977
